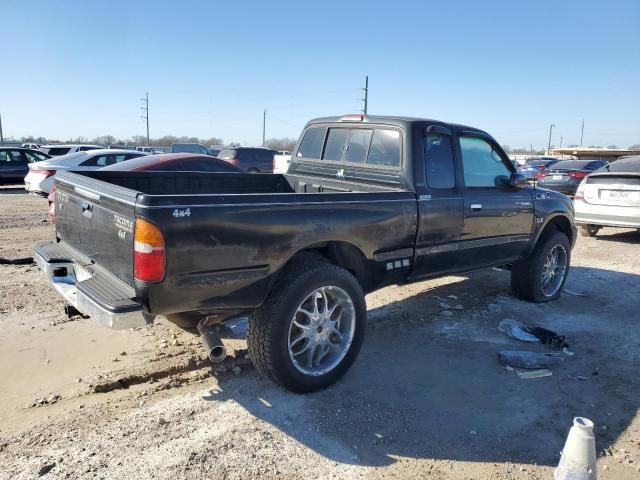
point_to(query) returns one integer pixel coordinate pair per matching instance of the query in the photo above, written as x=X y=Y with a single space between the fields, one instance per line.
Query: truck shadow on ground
x=433 y=389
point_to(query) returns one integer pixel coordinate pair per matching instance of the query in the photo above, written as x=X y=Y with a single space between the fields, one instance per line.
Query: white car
x=32 y=146
x=39 y=180
x=63 y=149
x=609 y=197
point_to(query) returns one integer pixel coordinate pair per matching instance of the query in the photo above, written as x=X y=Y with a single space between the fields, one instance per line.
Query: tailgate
x=97 y=219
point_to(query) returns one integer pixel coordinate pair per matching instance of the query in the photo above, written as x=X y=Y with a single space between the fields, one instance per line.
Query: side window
x=334 y=146
x=4 y=157
x=32 y=157
x=482 y=165
x=15 y=156
x=438 y=155
x=385 y=148
x=311 y=145
x=247 y=156
x=358 y=145
x=265 y=156
x=119 y=158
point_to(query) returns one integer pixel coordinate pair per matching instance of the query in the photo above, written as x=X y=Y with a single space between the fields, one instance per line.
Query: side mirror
x=517 y=180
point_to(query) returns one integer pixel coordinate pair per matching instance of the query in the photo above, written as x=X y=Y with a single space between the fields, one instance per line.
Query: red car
x=163 y=162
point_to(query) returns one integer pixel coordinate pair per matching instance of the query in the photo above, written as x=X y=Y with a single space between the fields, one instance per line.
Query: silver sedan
x=609 y=197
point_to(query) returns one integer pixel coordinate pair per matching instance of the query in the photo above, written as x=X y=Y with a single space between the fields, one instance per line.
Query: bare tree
x=281 y=143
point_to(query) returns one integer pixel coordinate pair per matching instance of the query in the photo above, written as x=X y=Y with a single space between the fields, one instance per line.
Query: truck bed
x=225 y=230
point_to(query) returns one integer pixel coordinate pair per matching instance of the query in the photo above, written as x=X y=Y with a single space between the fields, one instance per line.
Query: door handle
x=475 y=207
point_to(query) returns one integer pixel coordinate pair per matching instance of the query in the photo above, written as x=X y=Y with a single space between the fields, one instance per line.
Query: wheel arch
x=557 y=222
x=341 y=253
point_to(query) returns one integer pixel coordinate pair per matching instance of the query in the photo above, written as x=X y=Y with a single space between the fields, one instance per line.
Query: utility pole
x=549 y=144
x=560 y=141
x=145 y=113
x=366 y=94
x=582 y=132
x=264 y=127
x=531 y=148
x=1 y=136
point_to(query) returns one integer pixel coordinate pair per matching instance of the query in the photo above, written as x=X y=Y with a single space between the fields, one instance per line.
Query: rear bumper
x=567 y=189
x=90 y=289
x=607 y=215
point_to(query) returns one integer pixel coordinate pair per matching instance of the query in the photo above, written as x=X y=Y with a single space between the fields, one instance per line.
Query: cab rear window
x=370 y=146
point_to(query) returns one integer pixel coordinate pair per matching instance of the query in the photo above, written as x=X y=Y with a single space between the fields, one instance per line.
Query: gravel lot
x=425 y=399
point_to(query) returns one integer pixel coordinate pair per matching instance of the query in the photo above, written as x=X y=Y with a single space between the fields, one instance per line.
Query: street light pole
x=549 y=144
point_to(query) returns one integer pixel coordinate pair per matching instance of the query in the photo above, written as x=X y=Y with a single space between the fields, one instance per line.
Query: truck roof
x=400 y=121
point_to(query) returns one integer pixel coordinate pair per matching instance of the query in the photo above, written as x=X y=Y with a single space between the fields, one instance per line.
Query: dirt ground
x=425 y=399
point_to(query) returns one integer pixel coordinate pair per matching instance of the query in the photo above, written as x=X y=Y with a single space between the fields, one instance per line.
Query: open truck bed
x=228 y=231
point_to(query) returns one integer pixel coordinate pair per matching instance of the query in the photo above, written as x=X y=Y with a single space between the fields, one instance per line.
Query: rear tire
x=528 y=276
x=589 y=230
x=311 y=301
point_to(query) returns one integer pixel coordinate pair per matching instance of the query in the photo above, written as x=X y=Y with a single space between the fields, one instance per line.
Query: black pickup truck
x=368 y=201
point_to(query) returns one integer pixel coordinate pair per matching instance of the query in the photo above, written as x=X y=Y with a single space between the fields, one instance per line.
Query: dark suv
x=250 y=159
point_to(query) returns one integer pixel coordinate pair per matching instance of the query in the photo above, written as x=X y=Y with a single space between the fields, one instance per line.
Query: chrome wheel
x=321 y=331
x=554 y=270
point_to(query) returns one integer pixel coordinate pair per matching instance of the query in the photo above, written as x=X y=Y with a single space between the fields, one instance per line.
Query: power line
x=145 y=112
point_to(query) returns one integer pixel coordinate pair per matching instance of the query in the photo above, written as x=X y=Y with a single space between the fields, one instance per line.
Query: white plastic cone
x=578 y=460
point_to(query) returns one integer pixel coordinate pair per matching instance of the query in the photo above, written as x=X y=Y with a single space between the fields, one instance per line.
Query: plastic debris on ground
x=540 y=373
x=529 y=360
x=534 y=334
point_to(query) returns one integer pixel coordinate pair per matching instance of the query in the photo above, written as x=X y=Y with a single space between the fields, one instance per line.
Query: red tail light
x=148 y=252
x=541 y=174
x=44 y=173
x=579 y=195
x=578 y=174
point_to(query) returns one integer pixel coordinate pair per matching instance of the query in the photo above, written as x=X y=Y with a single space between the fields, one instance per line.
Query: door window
x=482 y=164
x=12 y=156
x=438 y=155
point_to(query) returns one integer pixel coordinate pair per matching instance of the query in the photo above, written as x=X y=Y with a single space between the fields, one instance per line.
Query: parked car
x=565 y=176
x=535 y=167
x=64 y=149
x=14 y=163
x=164 y=162
x=368 y=202
x=609 y=197
x=39 y=180
x=250 y=159
x=32 y=146
x=145 y=149
x=174 y=162
x=190 y=148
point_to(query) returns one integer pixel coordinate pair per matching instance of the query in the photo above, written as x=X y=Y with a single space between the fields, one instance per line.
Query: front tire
x=309 y=331
x=540 y=277
x=589 y=230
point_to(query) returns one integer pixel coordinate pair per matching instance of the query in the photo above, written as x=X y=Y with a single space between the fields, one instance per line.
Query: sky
x=512 y=68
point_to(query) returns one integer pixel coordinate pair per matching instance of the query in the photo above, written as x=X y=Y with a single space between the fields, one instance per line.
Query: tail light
x=148 y=252
x=578 y=174
x=579 y=194
x=541 y=167
x=44 y=173
x=232 y=161
x=541 y=174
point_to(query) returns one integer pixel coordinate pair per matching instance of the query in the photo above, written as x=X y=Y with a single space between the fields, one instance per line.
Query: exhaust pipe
x=216 y=351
